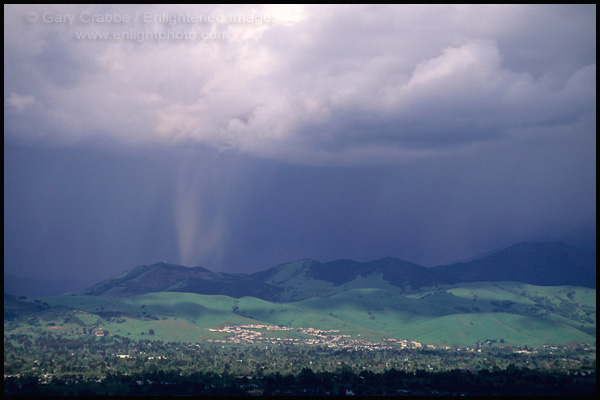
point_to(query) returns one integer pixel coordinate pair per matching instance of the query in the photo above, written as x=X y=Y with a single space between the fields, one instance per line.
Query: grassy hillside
x=551 y=264
x=461 y=314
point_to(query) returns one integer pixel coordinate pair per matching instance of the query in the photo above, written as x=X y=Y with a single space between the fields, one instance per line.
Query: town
x=330 y=338
x=263 y=359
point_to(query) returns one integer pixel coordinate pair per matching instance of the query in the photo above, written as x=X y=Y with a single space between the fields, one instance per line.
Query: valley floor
x=472 y=339
x=53 y=364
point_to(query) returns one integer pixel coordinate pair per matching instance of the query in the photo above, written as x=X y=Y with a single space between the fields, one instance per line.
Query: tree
x=307 y=378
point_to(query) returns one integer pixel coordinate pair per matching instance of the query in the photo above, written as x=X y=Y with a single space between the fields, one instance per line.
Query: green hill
x=461 y=314
x=387 y=298
x=549 y=264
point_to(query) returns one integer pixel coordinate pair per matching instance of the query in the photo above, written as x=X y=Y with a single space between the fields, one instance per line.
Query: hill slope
x=547 y=264
x=308 y=278
x=459 y=314
x=163 y=277
x=286 y=282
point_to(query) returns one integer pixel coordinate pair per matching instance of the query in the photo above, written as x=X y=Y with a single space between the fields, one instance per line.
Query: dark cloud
x=428 y=133
x=402 y=72
x=84 y=212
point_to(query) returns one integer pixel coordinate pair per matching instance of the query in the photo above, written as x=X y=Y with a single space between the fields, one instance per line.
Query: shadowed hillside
x=163 y=277
x=460 y=314
x=547 y=264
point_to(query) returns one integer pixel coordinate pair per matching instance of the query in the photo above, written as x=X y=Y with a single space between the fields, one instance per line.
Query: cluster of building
x=330 y=338
x=405 y=343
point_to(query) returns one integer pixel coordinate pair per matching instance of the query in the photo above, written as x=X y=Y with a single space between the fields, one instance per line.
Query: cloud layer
x=240 y=137
x=310 y=84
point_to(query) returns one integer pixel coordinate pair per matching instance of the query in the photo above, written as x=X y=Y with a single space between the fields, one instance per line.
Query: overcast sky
x=241 y=137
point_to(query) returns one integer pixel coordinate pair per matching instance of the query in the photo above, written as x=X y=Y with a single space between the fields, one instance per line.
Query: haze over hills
x=546 y=264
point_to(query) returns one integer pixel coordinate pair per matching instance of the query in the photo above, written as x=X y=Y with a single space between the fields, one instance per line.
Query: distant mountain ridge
x=537 y=263
x=546 y=264
x=164 y=277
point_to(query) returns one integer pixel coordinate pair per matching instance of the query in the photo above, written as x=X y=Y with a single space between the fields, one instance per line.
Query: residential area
x=258 y=333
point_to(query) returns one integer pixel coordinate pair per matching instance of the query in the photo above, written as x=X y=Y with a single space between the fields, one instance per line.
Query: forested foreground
x=513 y=381
x=54 y=365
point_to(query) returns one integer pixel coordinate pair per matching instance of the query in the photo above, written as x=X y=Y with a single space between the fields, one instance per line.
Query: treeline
x=508 y=382
x=93 y=357
x=512 y=381
x=46 y=363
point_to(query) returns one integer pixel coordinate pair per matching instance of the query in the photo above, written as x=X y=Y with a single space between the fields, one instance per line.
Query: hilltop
x=164 y=277
x=546 y=264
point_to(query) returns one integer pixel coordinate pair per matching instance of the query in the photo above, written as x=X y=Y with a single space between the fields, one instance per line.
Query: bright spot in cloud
x=18 y=102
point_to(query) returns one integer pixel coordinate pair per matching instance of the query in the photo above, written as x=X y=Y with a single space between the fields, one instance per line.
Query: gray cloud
x=319 y=84
x=430 y=133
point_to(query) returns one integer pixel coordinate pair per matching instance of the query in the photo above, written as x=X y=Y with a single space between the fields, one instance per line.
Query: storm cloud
x=282 y=132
